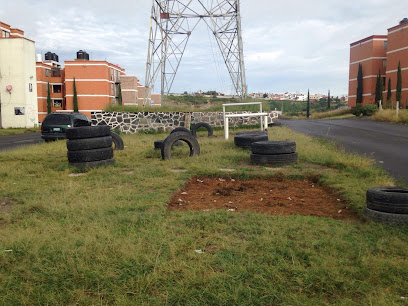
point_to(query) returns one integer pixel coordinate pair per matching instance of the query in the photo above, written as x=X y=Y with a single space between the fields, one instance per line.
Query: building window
x=57 y=103
x=111 y=74
x=384 y=63
x=47 y=72
x=385 y=45
x=30 y=87
x=19 y=111
x=112 y=90
x=56 y=88
x=383 y=79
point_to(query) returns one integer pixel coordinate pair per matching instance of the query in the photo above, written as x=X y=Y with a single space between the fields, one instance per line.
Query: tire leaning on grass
x=117 y=141
x=89 y=143
x=380 y=216
x=388 y=199
x=204 y=125
x=93 y=164
x=90 y=155
x=88 y=132
x=180 y=129
x=251 y=133
x=158 y=144
x=180 y=136
x=245 y=140
x=273 y=147
x=274 y=160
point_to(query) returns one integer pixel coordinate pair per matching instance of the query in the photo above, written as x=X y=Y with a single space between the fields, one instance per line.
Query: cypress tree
x=359 y=98
x=75 y=99
x=328 y=100
x=389 y=94
x=49 y=110
x=378 y=88
x=120 y=95
x=399 y=83
x=308 y=105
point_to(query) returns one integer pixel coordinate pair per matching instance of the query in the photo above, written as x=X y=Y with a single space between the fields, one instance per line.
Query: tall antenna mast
x=172 y=24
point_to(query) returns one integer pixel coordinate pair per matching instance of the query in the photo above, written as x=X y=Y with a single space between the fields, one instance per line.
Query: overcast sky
x=288 y=45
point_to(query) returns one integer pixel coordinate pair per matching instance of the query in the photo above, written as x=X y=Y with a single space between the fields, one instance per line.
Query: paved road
x=14 y=141
x=387 y=143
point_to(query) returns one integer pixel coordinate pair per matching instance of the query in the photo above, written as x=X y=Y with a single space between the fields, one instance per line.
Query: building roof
x=367 y=39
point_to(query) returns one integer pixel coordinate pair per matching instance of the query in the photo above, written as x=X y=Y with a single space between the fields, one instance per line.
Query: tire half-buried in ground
x=274 y=160
x=273 y=147
x=180 y=136
x=204 y=125
x=90 y=155
x=117 y=141
x=180 y=129
x=89 y=143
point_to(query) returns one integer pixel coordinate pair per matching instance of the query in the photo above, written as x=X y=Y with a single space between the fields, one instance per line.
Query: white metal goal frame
x=261 y=114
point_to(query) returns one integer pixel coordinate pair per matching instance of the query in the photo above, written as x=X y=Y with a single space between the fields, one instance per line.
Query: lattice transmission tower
x=172 y=24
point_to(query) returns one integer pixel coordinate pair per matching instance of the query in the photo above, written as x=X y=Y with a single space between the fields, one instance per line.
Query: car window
x=54 y=119
x=81 y=117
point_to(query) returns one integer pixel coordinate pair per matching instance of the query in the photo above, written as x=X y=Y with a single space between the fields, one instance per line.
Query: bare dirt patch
x=274 y=196
x=5 y=205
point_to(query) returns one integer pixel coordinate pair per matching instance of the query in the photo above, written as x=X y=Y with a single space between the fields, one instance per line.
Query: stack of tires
x=246 y=139
x=89 y=146
x=275 y=153
x=387 y=204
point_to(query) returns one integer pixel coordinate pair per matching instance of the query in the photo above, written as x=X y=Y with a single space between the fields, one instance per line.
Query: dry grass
x=390 y=115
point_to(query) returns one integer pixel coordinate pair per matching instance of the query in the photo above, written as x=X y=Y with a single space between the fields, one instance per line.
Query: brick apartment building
x=380 y=53
x=97 y=84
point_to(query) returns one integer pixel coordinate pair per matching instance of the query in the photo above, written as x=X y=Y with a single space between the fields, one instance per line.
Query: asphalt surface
x=15 y=141
x=387 y=143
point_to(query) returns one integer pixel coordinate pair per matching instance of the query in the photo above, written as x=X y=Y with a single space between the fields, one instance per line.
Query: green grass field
x=5 y=132
x=107 y=238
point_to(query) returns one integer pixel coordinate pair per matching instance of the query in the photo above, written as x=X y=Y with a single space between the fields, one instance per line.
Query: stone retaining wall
x=131 y=123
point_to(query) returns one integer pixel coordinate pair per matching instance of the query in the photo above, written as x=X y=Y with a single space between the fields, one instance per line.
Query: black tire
x=89 y=143
x=158 y=144
x=245 y=140
x=202 y=124
x=386 y=217
x=180 y=136
x=90 y=155
x=388 y=199
x=117 y=141
x=252 y=133
x=93 y=164
x=180 y=129
x=273 y=147
x=88 y=132
x=274 y=160
x=272 y=124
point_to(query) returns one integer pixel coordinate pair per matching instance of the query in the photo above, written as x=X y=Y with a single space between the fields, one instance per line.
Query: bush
x=366 y=110
x=369 y=109
x=357 y=111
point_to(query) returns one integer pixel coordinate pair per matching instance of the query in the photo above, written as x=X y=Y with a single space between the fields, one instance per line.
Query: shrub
x=357 y=111
x=369 y=109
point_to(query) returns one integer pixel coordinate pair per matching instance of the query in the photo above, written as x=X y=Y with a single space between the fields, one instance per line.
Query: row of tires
x=387 y=204
x=265 y=152
x=92 y=146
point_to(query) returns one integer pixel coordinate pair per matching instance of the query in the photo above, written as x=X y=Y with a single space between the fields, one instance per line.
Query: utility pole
x=308 y=105
x=172 y=24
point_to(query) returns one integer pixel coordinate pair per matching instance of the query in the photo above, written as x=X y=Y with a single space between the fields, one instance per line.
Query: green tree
x=359 y=98
x=378 y=89
x=120 y=95
x=308 y=105
x=399 y=83
x=328 y=100
x=75 y=98
x=49 y=110
x=389 y=94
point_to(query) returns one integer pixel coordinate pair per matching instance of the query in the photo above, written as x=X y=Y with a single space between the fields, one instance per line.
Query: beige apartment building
x=18 y=90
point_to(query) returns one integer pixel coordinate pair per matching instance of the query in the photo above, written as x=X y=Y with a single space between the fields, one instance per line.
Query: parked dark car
x=54 y=125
